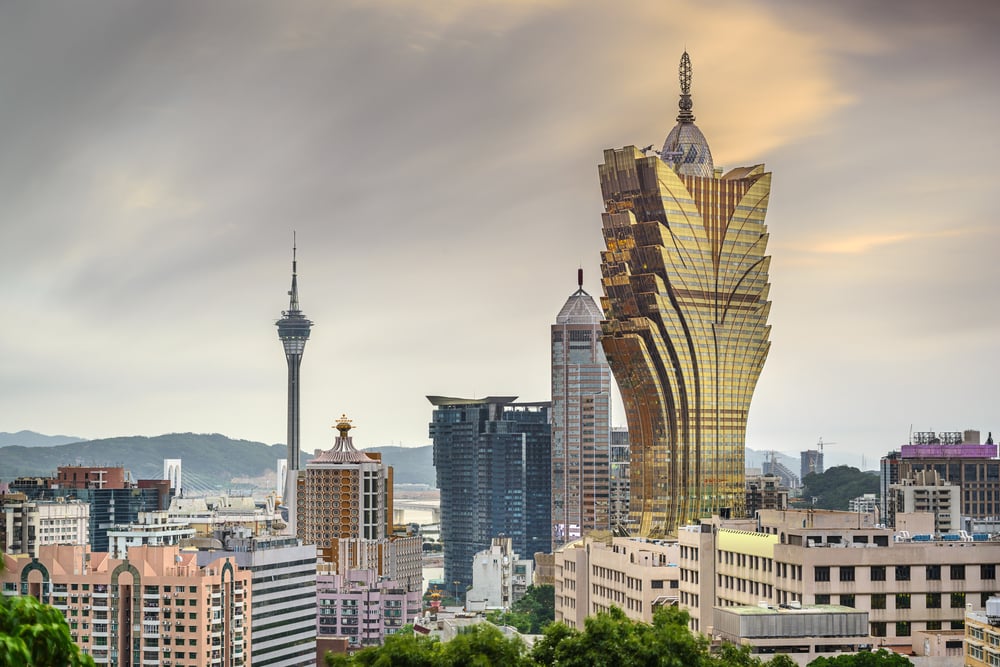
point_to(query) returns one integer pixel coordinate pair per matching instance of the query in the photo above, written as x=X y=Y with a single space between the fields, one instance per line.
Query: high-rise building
x=493 y=463
x=157 y=607
x=283 y=588
x=811 y=463
x=685 y=279
x=293 y=330
x=581 y=421
x=620 y=465
x=345 y=509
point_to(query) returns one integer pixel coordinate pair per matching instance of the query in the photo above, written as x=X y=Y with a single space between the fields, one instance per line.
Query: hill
x=32 y=439
x=411 y=465
x=210 y=461
x=835 y=488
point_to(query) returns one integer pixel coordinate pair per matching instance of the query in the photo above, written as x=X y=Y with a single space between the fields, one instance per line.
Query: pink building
x=363 y=608
x=155 y=608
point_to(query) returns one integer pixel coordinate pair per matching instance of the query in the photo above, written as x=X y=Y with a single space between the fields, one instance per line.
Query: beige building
x=926 y=491
x=28 y=525
x=799 y=557
x=156 y=608
x=598 y=572
x=982 y=636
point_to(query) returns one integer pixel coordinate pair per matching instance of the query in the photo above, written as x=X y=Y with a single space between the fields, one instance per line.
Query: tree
x=880 y=658
x=836 y=487
x=531 y=613
x=32 y=633
x=480 y=645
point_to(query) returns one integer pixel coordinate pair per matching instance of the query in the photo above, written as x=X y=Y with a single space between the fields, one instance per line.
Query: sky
x=438 y=163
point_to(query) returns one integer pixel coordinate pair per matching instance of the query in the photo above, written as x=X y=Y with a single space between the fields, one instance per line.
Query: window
x=878 y=629
x=958 y=625
x=847 y=573
x=957 y=600
x=933 y=625
x=988 y=571
x=847 y=600
x=878 y=573
x=878 y=601
x=821 y=573
x=902 y=600
x=933 y=572
x=933 y=601
x=902 y=573
x=902 y=628
x=822 y=599
x=957 y=572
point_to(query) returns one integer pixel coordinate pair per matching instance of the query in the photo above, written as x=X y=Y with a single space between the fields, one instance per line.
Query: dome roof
x=686 y=151
x=580 y=308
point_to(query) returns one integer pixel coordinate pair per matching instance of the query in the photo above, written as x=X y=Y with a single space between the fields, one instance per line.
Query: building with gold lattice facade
x=345 y=505
x=685 y=279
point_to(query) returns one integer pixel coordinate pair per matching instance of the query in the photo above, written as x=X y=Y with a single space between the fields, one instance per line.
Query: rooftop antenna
x=685 y=103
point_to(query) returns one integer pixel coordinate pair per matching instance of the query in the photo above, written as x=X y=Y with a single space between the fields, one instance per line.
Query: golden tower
x=685 y=279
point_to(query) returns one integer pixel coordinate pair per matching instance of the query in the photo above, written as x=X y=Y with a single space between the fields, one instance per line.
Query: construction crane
x=821 y=444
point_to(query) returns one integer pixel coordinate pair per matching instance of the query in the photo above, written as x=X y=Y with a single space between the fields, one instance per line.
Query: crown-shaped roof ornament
x=343 y=425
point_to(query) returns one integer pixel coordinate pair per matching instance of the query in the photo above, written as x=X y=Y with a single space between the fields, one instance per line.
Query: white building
x=499 y=577
x=31 y=524
x=283 y=586
x=865 y=504
x=153 y=528
x=927 y=492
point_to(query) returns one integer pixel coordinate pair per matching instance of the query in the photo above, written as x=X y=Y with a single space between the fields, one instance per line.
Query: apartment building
x=982 y=636
x=499 y=577
x=599 y=571
x=27 y=525
x=362 y=607
x=158 y=607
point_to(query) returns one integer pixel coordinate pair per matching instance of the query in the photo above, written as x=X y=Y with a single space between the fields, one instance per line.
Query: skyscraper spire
x=685 y=104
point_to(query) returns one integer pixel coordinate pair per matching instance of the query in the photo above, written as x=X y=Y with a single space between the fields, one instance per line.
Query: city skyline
x=438 y=165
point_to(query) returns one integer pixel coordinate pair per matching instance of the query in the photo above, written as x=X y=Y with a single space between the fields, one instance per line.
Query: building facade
x=765 y=492
x=927 y=492
x=581 y=421
x=158 y=607
x=499 y=577
x=29 y=524
x=152 y=528
x=819 y=557
x=685 y=278
x=620 y=476
x=492 y=457
x=283 y=586
x=600 y=571
x=363 y=607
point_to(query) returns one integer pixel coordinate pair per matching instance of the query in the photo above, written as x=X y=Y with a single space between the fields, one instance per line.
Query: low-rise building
x=804 y=633
x=499 y=577
x=362 y=607
x=982 y=635
x=599 y=571
x=152 y=528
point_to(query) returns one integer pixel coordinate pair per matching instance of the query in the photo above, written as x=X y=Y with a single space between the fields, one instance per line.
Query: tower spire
x=293 y=294
x=685 y=104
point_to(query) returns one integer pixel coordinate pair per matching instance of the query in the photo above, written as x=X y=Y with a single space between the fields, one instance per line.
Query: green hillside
x=210 y=460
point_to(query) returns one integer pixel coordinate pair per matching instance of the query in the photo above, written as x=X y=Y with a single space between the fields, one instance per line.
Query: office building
x=685 y=279
x=600 y=571
x=283 y=585
x=158 y=607
x=905 y=582
x=492 y=457
x=765 y=492
x=293 y=331
x=958 y=458
x=581 y=420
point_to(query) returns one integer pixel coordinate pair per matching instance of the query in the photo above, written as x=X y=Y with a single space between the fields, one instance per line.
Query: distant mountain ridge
x=210 y=461
x=32 y=439
x=410 y=465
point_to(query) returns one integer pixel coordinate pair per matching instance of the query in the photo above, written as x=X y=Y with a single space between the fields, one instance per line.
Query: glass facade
x=685 y=279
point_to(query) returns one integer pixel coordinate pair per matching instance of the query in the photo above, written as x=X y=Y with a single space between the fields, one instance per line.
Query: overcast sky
x=438 y=161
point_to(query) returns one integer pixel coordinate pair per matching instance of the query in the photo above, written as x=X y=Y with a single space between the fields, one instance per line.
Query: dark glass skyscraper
x=685 y=279
x=492 y=457
x=293 y=330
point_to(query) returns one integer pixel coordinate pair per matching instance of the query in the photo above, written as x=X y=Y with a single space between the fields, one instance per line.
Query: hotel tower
x=685 y=280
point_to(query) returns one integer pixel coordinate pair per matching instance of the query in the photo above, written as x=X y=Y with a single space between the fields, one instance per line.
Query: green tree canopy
x=835 y=488
x=33 y=634
x=532 y=612
x=880 y=658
